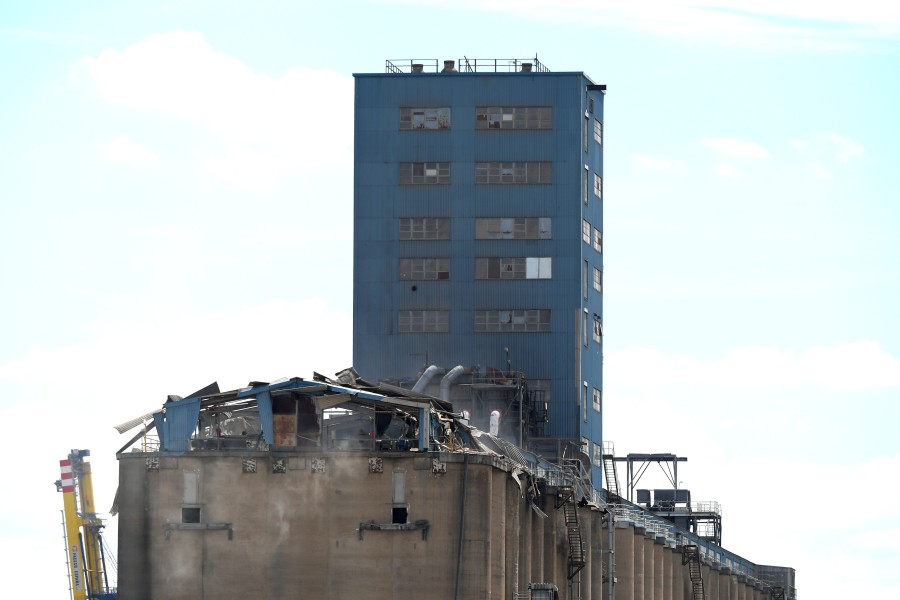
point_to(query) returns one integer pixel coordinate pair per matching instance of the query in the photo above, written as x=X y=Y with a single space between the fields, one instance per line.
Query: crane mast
x=84 y=541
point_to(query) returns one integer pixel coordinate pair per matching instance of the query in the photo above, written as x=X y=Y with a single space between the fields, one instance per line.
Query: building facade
x=478 y=243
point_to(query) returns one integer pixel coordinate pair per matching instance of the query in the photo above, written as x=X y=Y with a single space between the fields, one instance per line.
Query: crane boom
x=84 y=542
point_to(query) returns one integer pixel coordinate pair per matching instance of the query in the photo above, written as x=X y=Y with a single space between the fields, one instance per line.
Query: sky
x=176 y=209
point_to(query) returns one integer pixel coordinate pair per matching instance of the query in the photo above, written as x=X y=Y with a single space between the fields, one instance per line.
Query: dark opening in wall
x=190 y=515
x=399 y=514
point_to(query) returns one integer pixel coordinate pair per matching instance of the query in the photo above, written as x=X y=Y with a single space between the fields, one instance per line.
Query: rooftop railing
x=465 y=65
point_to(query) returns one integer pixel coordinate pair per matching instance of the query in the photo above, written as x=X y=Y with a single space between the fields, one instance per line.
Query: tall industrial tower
x=478 y=244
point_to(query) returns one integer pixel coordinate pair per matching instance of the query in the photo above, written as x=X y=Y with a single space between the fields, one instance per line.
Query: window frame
x=423 y=226
x=426 y=321
x=424 y=173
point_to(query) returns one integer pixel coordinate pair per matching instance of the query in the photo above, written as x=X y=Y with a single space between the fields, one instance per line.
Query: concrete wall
x=296 y=534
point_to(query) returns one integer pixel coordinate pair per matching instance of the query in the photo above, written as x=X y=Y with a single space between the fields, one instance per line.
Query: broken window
x=513 y=117
x=424 y=228
x=510 y=228
x=512 y=320
x=424 y=118
x=513 y=268
x=424 y=173
x=598 y=329
x=513 y=173
x=424 y=321
x=424 y=269
x=598 y=239
x=598 y=455
x=598 y=186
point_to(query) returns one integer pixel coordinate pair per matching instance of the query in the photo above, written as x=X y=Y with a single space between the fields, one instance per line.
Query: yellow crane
x=84 y=541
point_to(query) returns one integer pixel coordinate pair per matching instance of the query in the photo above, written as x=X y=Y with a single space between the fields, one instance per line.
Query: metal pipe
x=429 y=374
x=448 y=380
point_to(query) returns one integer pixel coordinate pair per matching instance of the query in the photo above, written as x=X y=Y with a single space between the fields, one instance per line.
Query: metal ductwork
x=429 y=374
x=448 y=380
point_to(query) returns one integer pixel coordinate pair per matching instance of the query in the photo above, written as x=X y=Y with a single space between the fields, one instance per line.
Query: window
x=584 y=326
x=598 y=401
x=424 y=269
x=190 y=514
x=587 y=193
x=424 y=321
x=584 y=399
x=514 y=268
x=598 y=455
x=598 y=279
x=512 y=320
x=399 y=507
x=424 y=228
x=424 y=173
x=424 y=118
x=598 y=329
x=586 y=231
x=587 y=133
x=511 y=228
x=598 y=186
x=513 y=173
x=590 y=105
x=584 y=280
x=598 y=240
x=513 y=117
x=598 y=131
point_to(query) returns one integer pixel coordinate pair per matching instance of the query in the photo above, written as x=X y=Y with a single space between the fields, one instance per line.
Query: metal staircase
x=778 y=593
x=691 y=557
x=565 y=499
x=609 y=472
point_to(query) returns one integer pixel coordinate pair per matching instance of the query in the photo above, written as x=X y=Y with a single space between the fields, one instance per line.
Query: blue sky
x=176 y=200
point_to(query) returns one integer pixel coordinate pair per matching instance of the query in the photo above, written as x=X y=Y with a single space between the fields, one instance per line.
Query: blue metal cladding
x=178 y=424
x=560 y=356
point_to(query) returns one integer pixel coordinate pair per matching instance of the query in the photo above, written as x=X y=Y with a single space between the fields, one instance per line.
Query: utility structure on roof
x=478 y=255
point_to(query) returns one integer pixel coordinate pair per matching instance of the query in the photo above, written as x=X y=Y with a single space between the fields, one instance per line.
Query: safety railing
x=466 y=65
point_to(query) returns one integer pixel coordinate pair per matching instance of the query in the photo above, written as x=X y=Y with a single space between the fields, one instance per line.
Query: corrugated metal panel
x=180 y=423
x=379 y=351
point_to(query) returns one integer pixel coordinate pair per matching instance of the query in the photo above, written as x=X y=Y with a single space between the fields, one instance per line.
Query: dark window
x=512 y=228
x=513 y=117
x=190 y=515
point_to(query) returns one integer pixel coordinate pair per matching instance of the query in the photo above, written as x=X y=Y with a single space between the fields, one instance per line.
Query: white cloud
x=658 y=164
x=123 y=150
x=190 y=347
x=728 y=171
x=734 y=148
x=266 y=127
x=827 y=153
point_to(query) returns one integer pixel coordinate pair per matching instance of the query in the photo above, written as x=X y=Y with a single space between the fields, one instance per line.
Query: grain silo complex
x=462 y=456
